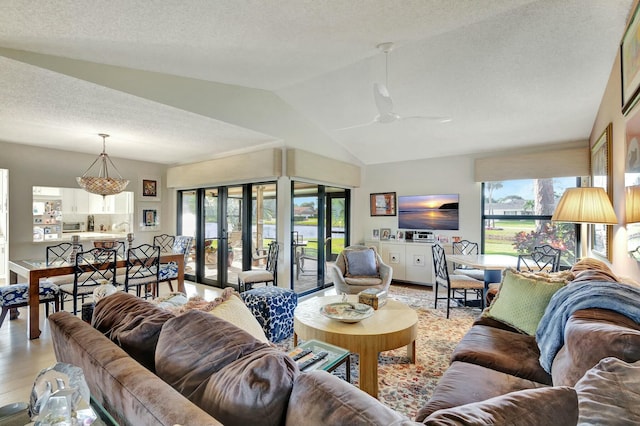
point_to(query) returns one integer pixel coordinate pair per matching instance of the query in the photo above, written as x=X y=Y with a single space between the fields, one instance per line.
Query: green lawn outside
x=500 y=240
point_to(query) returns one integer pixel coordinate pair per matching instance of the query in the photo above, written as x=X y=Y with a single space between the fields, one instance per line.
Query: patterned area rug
x=403 y=386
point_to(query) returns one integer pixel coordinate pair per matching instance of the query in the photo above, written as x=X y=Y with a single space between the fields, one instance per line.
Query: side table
x=337 y=356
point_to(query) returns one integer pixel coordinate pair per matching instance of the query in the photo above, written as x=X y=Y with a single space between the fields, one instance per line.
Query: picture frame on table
x=400 y=235
x=630 y=63
x=148 y=218
x=382 y=204
x=600 y=168
x=375 y=234
x=385 y=234
x=149 y=189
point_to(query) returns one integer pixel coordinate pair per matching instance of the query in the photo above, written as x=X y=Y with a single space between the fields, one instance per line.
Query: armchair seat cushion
x=363 y=281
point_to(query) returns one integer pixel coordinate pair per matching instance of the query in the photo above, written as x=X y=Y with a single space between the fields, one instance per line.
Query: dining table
x=491 y=264
x=35 y=269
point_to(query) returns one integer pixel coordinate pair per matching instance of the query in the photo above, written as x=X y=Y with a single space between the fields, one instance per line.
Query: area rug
x=403 y=386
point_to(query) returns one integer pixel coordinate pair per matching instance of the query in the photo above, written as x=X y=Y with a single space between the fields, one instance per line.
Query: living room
x=446 y=172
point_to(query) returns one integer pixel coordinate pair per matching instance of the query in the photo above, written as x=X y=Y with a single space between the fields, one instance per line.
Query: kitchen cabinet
x=79 y=201
x=74 y=201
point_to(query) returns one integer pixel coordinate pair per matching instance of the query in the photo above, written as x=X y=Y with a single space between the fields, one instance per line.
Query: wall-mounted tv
x=428 y=212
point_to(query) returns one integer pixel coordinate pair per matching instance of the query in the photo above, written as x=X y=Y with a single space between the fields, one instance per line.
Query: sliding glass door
x=319 y=233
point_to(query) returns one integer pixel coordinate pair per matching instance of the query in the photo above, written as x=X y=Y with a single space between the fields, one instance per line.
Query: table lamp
x=585 y=205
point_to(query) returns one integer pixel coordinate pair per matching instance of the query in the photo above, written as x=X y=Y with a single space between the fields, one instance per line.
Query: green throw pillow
x=522 y=300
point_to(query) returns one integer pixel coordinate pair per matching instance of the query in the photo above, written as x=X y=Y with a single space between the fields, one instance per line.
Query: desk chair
x=454 y=283
x=91 y=269
x=246 y=279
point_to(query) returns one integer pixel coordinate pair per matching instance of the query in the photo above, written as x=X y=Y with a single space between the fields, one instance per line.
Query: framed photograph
x=149 y=189
x=601 y=177
x=385 y=233
x=630 y=63
x=148 y=218
x=382 y=204
x=400 y=235
x=375 y=234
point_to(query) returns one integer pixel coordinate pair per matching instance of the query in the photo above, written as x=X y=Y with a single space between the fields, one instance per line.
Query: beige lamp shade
x=632 y=198
x=585 y=205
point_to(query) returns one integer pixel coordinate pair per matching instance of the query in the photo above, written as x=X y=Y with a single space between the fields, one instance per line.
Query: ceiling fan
x=384 y=103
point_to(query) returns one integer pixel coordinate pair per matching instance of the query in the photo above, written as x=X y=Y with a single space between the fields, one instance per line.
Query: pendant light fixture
x=102 y=184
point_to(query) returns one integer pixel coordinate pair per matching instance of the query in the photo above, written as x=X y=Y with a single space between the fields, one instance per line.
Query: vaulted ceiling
x=176 y=82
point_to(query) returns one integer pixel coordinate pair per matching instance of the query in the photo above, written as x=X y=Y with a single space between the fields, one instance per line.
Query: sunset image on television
x=428 y=212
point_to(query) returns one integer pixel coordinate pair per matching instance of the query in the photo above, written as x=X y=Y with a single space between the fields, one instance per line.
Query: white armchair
x=358 y=268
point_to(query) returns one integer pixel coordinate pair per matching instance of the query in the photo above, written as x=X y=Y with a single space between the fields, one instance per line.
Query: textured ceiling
x=238 y=75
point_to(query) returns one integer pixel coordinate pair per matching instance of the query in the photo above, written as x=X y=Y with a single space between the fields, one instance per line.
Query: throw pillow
x=522 y=300
x=544 y=406
x=224 y=370
x=609 y=394
x=236 y=312
x=361 y=263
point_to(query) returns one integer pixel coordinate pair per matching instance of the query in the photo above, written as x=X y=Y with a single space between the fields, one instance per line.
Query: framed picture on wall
x=601 y=178
x=148 y=218
x=149 y=189
x=382 y=204
x=630 y=63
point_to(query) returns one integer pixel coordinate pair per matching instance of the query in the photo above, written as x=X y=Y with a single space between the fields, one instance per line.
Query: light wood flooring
x=22 y=359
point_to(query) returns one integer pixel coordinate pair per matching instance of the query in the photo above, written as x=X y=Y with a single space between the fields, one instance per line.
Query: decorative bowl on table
x=347 y=312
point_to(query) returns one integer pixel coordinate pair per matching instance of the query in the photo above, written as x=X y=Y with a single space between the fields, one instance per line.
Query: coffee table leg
x=295 y=339
x=369 y=373
x=411 y=351
x=348 y=366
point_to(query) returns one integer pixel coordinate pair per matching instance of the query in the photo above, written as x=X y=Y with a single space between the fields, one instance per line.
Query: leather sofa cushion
x=502 y=350
x=319 y=398
x=609 y=394
x=224 y=370
x=132 y=323
x=545 y=406
x=465 y=383
x=591 y=335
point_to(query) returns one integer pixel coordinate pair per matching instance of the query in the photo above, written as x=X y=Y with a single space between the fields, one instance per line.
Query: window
x=517 y=217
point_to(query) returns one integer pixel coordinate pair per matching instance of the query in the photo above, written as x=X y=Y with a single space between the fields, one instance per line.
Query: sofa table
x=390 y=327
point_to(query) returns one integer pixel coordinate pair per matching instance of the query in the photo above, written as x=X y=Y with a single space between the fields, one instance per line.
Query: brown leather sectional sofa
x=201 y=370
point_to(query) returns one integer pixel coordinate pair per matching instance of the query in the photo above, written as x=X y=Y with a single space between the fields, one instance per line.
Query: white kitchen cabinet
x=75 y=201
x=123 y=203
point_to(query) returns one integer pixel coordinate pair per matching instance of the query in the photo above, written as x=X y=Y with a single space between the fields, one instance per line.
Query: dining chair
x=91 y=269
x=165 y=242
x=454 y=284
x=465 y=247
x=143 y=267
x=169 y=271
x=537 y=261
x=61 y=252
x=549 y=250
x=14 y=296
x=246 y=279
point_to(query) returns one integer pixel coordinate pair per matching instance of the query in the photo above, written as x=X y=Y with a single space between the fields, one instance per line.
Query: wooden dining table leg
x=34 y=305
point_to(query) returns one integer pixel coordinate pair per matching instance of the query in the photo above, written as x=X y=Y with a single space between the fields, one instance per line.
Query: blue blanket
x=621 y=298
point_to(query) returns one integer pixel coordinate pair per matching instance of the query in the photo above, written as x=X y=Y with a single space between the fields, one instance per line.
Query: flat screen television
x=417 y=212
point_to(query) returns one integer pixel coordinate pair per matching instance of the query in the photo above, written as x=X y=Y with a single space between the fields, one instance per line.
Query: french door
x=319 y=233
x=231 y=226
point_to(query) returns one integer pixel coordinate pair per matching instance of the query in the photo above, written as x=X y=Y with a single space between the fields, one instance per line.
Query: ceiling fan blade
x=357 y=125
x=427 y=117
x=383 y=99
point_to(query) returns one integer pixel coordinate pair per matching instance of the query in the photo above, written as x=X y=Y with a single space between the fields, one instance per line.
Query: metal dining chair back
x=552 y=251
x=91 y=269
x=165 y=242
x=61 y=252
x=143 y=267
x=537 y=261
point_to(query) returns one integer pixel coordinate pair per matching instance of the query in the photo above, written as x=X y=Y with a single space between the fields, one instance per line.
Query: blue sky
x=524 y=187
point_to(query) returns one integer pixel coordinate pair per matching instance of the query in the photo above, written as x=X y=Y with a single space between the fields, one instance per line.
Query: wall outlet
x=418 y=260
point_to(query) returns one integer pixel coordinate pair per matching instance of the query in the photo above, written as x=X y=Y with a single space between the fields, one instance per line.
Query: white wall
x=450 y=175
x=32 y=166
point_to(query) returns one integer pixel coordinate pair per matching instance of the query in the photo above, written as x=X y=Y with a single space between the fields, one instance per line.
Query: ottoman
x=273 y=308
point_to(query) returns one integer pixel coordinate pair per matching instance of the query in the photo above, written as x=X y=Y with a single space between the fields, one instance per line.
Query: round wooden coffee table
x=390 y=327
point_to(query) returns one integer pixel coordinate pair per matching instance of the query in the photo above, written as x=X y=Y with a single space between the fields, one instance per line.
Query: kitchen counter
x=88 y=236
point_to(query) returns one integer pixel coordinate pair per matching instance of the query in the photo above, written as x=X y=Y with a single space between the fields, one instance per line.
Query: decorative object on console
x=385 y=233
x=102 y=184
x=105 y=289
